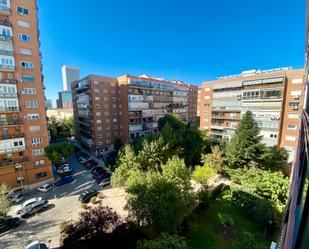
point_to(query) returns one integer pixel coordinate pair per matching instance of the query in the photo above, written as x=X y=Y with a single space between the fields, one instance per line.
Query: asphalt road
x=64 y=205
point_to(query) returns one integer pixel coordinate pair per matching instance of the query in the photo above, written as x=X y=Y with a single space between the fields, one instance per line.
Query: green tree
x=202 y=174
x=53 y=127
x=173 y=120
x=245 y=146
x=127 y=162
x=53 y=153
x=118 y=145
x=66 y=150
x=165 y=241
x=275 y=158
x=67 y=127
x=4 y=201
x=215 y=159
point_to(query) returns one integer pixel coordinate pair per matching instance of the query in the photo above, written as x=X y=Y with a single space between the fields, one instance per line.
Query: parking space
x=64 y=205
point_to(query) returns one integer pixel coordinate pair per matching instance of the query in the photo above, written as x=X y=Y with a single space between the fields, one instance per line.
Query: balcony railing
x=11 y=122
x=8 y=81
x=13 y=161
x=8 y=95
x=9 y=109
x=6 y=52
x=16 y=135
x=7 y=67
x=4 y=9
x=5 y=37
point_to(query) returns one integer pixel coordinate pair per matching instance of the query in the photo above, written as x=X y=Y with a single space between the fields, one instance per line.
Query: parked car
x=83 y=159
x=86 y=195
x=27 y=203
x=87 y=161
x=65 y=170
x=45 y=187
x=99 y=178
x=36 y=245
x=16 y=197
x=9 y=224
x=105 y=182
x=81 y=154
x=91 y=165
x=64 y=180
x=98 y=170
x=34 y=208
x=102 y=174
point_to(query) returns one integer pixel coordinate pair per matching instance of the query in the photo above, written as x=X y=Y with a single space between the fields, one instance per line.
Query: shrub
x=218 y=190
x=163 y=242
x=84 y=206
x=93 y=200
x=250 y=241
x=203 y=173
x=203 y=198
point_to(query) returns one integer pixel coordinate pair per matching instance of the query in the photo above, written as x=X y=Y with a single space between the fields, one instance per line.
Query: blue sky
x=193 y=41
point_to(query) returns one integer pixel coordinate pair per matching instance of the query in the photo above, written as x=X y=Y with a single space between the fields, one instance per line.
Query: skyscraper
x=23 y=128
x=69 y=75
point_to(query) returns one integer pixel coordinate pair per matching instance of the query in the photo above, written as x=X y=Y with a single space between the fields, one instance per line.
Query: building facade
x=64 y=100
x=127 y=108
x=49 y=104
x=23 y=127
x=273 y=96
x=69 y=75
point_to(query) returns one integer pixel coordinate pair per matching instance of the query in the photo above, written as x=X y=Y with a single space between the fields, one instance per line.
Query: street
x=64 y=205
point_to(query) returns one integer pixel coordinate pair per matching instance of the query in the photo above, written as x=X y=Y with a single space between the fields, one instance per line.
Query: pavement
x=64 y=205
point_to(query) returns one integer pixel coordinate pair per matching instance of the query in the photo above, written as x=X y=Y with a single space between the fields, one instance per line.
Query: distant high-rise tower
x=69 y=75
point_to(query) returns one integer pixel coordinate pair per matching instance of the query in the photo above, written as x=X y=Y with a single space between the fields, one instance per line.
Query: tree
x=4 y=201
x=214 y=160
x=66 y=150
x=173 y=120
x=53 y=127
x=275 y=158
x=67 y=127
x=202 y=174
x=127 y=162
x=53 y=153
x=163 y=242
x=246 y=145
x=118 y=145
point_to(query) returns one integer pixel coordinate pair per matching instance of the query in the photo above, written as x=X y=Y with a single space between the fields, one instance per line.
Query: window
x=292 y=127
x=24 y=37
x=97 y=106
x=105 y=91
x=22 y=10
x=293 y=116
x=99 y=121
x=96 y=82
x=28 y=78
x=108 y=141
x=99 y=135
x=5 y=31
x=106 y=106
x=297 y=81
x=115 y=120
x=6 y=60
x=107 y=121
x=32 y=104
x=38 y=152
x=34 y=128
x=18 y=143
x=113 y=99
x=96 y=90
x=98 y=114
x=33 y=116
x=23 y=24
x=26 y=64
x=39 y=163
x=294 y=105
x=36 y=140
x=40 y=175
x=25 y=51
x=106 y=113
x=99 y=128
x=108 y=134
x=97 y=98
x=4 y=3
x=20 y=179
x=29 y=91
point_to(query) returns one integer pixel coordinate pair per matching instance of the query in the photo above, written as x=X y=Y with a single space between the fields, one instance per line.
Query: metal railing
x=13 y=161
x=7 y=67
x=11 y=122
x=16 y=135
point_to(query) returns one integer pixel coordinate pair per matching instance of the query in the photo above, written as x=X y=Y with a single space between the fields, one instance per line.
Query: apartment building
x=69 y=75
x=273 y=96
x=23 y=128
x=127 y=108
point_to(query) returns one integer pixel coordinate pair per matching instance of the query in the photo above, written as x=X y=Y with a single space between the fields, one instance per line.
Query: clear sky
x=193 y=41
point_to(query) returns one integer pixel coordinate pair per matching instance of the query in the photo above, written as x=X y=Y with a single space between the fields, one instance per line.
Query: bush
x=203 y=173
x=101 y=195
x=250 y=241
x=218 y=190
x=84 y=206
x=203 y=198
x=93 y=200
x=163 y=242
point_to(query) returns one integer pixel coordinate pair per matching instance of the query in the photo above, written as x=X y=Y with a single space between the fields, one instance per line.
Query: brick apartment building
x=126 y=108
x=23 y=129
x=273 y=96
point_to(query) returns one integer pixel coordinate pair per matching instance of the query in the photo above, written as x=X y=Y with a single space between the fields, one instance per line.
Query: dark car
x=34 y=208
x=99 y=178
x=8 y=224
x=64 y=180
x=98 y=170
x=88 y=161
x=81 y=154
x=86 y=195
x=91 y=165
x=105 y=181
x=83 y=158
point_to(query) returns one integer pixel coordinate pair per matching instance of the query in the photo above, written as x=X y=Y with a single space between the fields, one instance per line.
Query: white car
x=66 y=168
x=45 y=187
x=36 y=245
x=27 y=203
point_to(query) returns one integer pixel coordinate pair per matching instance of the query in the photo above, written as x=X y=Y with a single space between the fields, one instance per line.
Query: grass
x=219 y=226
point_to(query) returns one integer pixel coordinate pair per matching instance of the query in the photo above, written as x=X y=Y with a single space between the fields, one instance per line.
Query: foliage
x=245 y=146
x=202 y=174
x=55 y=152
x=61 y=128
x=4 y=201
x=251 y=241
x=272 y=186
x=203 y=198
x=275 y=158
x=165 y=241
x=118 y=145
x=93 y=200
x=173 y=120
x=215 y=159
x=127 y=162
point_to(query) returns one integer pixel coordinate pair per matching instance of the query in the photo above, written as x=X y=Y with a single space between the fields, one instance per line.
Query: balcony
x=224 y=118
x=9 y=109
x=9 y=145
x=4 y=9
x=7 y=67
x=11 y=122
x=87 y=141
x=13 y=161
x=8 y=81
x=16 y=135
x=5 y=38
x=6 y=52
x=8 y=95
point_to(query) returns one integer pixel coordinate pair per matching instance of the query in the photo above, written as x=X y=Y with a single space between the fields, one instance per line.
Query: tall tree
x=4 y=201
x=173 y=120
x=53 y=127
x=53 y=153
x=66 y=150
x=215 y=159
x=245 y=146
